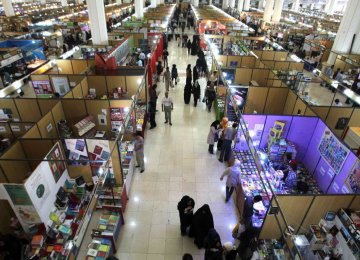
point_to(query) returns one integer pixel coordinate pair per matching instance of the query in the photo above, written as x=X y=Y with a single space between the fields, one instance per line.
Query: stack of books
x=276 y=150
x=127 y=153
x=99 y=249
x=37 y=241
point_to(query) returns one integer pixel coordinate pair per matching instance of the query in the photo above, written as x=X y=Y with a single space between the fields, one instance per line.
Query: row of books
x=127 y=153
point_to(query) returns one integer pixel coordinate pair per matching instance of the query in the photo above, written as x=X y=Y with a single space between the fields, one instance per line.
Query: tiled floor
x=177 y=163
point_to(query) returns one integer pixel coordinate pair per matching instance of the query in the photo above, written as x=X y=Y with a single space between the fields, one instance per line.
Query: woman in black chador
x=201 y=224
x=186 y=210
x=213 y=246
x=187 y=93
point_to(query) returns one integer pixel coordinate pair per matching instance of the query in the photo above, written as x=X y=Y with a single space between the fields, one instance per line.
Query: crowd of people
x=199 y=225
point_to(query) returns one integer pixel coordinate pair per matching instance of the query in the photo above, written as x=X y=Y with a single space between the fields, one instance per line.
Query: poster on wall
x=61 y=85
x=57 y=167
x=117 y=116
x=22 y=204
x=76 y=151
x=39 y=185
x=99 y=150
x=352 y=181
x=42 y=87
x=238 y=99
x=333 y=151
x=5 y=114
x=342 y=123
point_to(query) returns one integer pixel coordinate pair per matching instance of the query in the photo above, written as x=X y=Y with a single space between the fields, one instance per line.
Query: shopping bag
x=177 y=80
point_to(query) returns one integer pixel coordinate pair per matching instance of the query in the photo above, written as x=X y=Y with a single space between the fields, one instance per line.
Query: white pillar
x=350 y=25
x=43 y=1
x=8 y=8
x=277 y=10
x=158 y=2
x=269 y=9
x=232 y=3
x=80 y=2
x=97 y=22
x=153 y=4
x=331 y=7
x=225 y=4
x=139 y=9
x=326 y=8
x=64 y=3
x=260 y=4
x=210 y=3
x=240 y=5
x=295 y=5
x=246 y=5
x=118 y=1
x=196 y=3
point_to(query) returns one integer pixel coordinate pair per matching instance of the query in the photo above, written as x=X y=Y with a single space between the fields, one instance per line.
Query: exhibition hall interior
x=179 y=129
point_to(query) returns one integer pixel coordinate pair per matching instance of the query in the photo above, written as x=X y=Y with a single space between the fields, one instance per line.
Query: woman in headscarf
x=211 y=139
x=188 y=74
x=187 y=93
x=201 y=224
x=196 y=91
x=213 y=246
x=223 y=125
x=195 y=74
x=159 y=70
x=186 y=210
x=188 y=46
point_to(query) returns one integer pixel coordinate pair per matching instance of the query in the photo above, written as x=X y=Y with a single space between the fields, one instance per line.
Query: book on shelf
x=92 y=252
x=37 y=241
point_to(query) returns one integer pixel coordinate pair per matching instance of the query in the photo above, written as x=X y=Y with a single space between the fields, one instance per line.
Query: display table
x=36 y=64
x=250 y=184
x=141 y=118
x=69 y=222
x=108 y=228
x=127 y=162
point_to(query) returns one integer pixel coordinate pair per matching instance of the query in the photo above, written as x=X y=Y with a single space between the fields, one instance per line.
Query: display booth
x=84 y=80
x=115 y=57
x=271 y=82
x=31 y=49
x=54 y=208
x=326 y=179
x=75 y=186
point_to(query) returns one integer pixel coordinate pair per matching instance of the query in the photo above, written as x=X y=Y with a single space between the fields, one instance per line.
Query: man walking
x=167 y=106
x=232 y=179
x=167 y=79
x=153 y=96
x=229 y=136
x=165 y=57
x=139 y=151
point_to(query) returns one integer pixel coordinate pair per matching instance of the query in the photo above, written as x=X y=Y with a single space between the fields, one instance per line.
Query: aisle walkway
x=177 y=163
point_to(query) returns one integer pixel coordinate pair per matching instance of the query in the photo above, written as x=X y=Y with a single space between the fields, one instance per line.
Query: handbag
x=177 y=79
x=216 y=138
x=238 y=229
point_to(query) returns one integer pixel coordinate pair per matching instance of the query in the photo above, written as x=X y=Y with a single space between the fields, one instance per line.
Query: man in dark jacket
x=152 y=113
x=153 y=95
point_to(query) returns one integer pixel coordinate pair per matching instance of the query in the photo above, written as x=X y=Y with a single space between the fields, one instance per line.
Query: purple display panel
x=312 y=154
x=270 y=121
x=300 y=133
x=338 y=186
x=253 y=120
x=323 y=174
